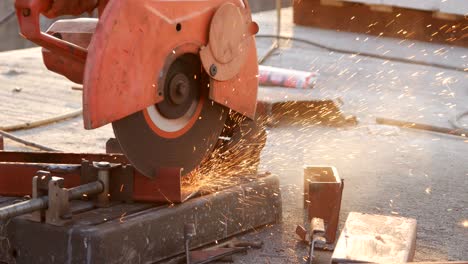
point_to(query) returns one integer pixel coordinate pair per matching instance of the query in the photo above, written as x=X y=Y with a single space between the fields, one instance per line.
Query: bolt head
x=103 y=164
x=213 y=70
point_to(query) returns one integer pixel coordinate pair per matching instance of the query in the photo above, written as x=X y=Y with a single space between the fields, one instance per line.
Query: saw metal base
x=140 y=232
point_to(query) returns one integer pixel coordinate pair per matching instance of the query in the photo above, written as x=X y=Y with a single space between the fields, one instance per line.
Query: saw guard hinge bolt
x=213 y=70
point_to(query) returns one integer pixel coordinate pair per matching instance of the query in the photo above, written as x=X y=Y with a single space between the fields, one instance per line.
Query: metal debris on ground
x=323 y=112
x=317 y=236
x=222 y=251
x=461 y=132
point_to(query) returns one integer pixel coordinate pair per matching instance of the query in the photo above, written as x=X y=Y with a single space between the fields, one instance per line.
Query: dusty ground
x=386 y=170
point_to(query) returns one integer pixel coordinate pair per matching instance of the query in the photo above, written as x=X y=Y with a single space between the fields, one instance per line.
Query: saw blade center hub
x=179 y=89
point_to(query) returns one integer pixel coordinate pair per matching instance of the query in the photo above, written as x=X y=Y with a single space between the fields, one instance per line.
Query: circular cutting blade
x=157 y=138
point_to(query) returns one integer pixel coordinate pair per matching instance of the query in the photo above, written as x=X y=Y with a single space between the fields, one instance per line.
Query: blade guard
x=133 y=41
x=230 y=58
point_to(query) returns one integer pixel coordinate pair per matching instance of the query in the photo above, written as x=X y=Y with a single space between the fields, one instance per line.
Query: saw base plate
x=140 y=232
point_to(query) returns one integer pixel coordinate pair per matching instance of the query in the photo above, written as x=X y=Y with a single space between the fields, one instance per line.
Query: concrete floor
x=386 y=170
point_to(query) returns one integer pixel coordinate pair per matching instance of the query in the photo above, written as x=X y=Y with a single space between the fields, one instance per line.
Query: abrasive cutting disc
x=179 y=132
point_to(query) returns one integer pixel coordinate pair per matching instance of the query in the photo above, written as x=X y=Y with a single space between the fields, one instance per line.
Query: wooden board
x=455 y=7
x=376 y=238
x=382 y=20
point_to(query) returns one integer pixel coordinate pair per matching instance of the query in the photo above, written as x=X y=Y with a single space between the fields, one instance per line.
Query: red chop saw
x=166 y=74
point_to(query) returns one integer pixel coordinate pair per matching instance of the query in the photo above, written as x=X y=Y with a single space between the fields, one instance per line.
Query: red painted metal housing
x=126 y=57
x=18 y=168
x=133 y=40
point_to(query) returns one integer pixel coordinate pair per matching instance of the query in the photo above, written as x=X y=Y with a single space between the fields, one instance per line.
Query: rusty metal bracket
x=50 y=200
x=58 y=212
x=317 y=236
x=121 y=179
x=39 y=189
x=323 y=190
x=113 y=146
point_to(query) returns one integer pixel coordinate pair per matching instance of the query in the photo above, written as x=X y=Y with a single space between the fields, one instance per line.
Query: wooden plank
x=401 y=23
x=332 y=3
x=427 y=5
x=376 y=238
x=439 y=7
x=369 y=2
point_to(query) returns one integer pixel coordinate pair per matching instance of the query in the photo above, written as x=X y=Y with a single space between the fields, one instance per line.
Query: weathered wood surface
x=29 y=92
x=457 y=7
x=383 y=20
x=376 y=238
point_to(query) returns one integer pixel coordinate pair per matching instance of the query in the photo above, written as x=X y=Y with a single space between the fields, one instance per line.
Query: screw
x=213 y=70
x=26 y=12
x=189 y=231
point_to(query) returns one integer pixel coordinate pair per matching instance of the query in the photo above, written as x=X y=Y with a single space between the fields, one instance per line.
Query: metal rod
x=43 y=122
x=276 y=44
x=91 y=188
x=270 y=51
x=278 y=19
x=42 y=202
x=23 y=207
x=413 y=125
x=25 y=142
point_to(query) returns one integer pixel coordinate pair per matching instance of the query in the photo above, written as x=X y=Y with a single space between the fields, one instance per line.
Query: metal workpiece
x=221 y=252
x=141 y=232
x=317 y=236
x=323 y=189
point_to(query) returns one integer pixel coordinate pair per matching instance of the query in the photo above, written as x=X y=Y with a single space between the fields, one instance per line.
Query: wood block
x=376 y=238
x=371 y=2
x=332 y=2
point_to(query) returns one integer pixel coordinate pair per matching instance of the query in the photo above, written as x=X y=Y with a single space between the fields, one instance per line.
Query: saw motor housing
x=123 y=57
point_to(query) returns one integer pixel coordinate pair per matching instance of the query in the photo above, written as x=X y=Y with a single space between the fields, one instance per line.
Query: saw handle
x=28 y=13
